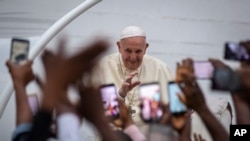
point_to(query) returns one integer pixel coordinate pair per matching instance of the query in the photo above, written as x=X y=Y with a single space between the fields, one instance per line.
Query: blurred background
x=175 y=29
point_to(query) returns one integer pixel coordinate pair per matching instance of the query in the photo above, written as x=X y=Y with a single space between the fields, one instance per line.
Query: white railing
x=43 y=41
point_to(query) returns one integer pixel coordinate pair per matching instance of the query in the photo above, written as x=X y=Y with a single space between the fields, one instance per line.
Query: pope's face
x=132 y=51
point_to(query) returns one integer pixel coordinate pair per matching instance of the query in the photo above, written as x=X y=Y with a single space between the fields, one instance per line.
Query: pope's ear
x=118 y=43
x=147 y=45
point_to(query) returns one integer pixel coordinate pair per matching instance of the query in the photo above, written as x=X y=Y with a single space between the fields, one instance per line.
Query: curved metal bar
x=45 y=38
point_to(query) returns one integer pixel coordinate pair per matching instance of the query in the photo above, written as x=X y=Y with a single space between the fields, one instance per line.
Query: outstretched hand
x=65 y=70
x=128 y=84
x=193 y=96
x=61 y=70
x=90 y=106
x=21 y=74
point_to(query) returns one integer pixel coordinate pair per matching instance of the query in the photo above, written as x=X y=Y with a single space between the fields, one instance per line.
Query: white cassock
x=112 y=70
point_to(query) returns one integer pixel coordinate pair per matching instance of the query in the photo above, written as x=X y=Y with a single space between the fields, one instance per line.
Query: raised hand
x=91 y=107
x=21 y=74
x=128 y=84
x=193 y=96
x=65 y=70
x=194 y=99
x=61 y=70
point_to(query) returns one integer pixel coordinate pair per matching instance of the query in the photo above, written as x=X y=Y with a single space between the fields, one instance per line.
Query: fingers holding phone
x=21 y=74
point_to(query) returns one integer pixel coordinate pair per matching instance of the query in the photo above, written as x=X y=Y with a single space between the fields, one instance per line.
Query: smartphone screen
x=234 y=51
x=19 y=50
x=150 y=97
x=33 y=103
x=176 y=106
x=109 y=98
x=203 y=69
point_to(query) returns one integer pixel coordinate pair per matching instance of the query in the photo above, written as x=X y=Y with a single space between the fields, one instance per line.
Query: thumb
x=182 y=98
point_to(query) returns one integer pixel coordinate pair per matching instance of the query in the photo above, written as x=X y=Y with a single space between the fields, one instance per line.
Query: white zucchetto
x=132 y=31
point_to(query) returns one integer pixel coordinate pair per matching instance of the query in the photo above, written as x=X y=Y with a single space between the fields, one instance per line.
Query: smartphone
x=175 y=104
x=234 y=51
x=109 y=99
x=150 y=94
x=19 y=50
x=225 y=79
x=33 y=103
x=203 y=69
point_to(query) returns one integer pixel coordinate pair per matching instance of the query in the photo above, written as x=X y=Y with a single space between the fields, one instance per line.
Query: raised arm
x=62 y=71
x=195 y=100
x=21 y=76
